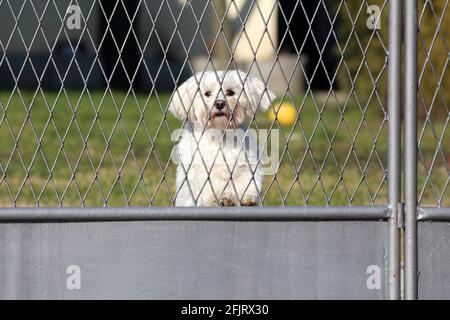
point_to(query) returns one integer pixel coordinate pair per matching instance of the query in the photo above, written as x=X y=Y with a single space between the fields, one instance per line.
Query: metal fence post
x=410 y=171
x=394 y=77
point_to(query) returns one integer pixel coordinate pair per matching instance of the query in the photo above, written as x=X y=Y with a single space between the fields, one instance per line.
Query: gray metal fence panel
x=426 y=149
x=195 y=260
x=87 y=138
x=433 y=259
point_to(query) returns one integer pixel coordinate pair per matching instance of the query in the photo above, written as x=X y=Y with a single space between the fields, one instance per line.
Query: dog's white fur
x=235 y=176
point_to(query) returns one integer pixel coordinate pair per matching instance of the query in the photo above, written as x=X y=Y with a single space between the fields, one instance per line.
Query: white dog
x=212 y=168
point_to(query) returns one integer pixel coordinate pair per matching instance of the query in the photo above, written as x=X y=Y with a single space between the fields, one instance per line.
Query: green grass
x=98 y=166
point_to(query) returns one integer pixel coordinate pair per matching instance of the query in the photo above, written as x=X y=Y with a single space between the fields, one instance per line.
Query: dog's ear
x=181 y=101
x=260 y=97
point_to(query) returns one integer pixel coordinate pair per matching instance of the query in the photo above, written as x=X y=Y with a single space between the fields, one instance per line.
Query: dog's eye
x=229 y=93
x=208 y=93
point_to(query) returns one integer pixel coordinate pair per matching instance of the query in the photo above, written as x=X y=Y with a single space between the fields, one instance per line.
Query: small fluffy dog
x=217 y=162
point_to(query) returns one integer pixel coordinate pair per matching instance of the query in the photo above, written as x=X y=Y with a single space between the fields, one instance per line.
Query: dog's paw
x=211 y=203
x=247 y=202
x=227 y=201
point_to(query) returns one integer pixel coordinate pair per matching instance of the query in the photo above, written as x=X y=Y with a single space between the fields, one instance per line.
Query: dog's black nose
x=219 y=104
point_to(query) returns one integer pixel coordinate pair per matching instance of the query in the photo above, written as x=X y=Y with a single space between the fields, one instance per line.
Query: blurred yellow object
x=284 y=112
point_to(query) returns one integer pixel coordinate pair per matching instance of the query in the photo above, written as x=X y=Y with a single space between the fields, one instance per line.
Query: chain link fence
x=428 y=149
x=434 y=148
x=95 y=93
x=87 y=84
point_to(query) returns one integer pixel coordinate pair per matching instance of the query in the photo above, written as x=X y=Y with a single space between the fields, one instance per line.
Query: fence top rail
x=338 y=213
x=434 y=214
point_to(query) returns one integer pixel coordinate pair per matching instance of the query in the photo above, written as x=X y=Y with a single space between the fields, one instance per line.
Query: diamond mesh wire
x=84 y=115
x=434 y=147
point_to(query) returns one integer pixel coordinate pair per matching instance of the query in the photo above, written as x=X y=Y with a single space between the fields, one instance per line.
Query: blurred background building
x=157 y=43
